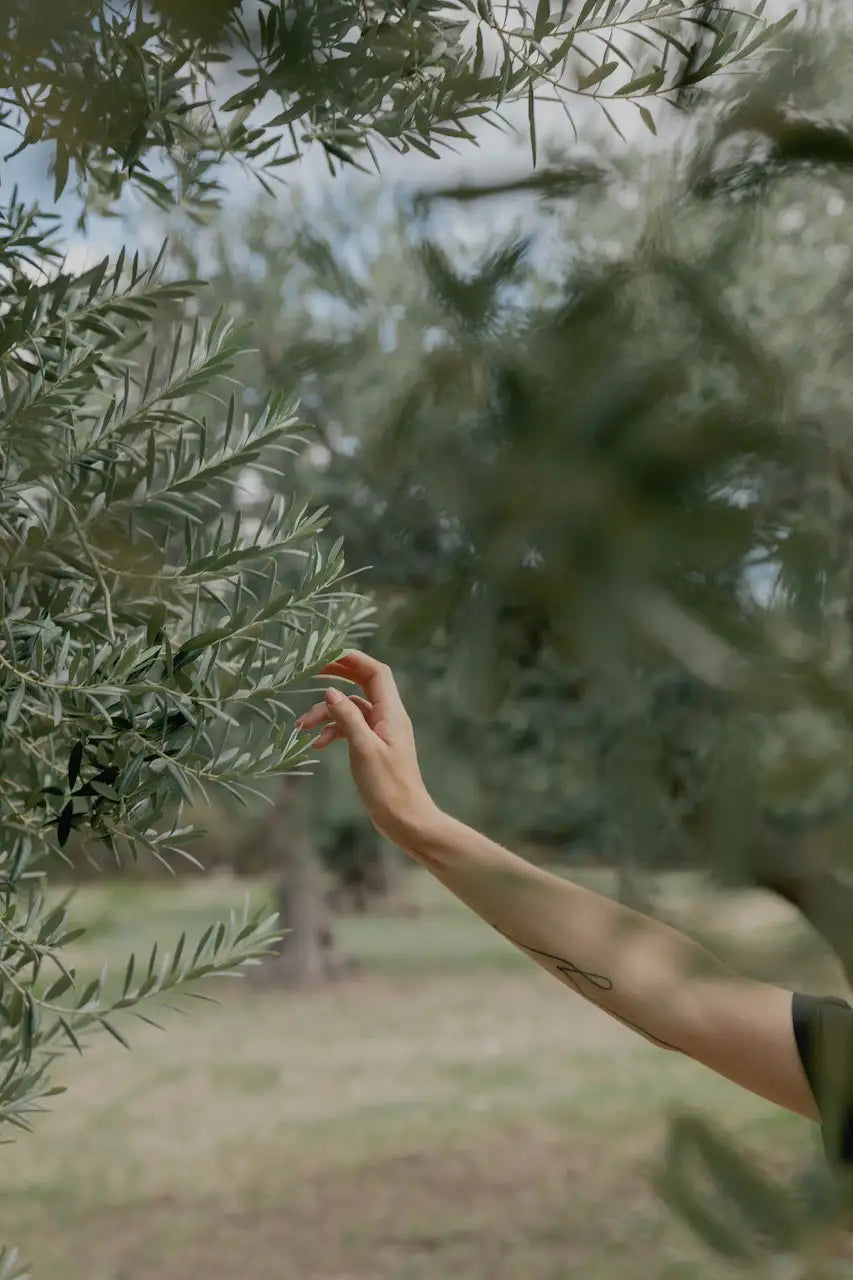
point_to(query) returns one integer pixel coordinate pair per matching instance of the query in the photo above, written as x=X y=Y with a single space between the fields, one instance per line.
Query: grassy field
x=450 y=1111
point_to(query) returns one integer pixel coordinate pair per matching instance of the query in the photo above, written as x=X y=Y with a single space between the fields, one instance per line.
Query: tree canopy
x=159 y=94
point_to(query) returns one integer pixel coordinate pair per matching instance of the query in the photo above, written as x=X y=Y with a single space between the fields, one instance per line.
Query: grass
x=448 y=1112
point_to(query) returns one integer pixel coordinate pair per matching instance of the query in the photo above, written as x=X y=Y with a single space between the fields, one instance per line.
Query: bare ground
x=466 y=1119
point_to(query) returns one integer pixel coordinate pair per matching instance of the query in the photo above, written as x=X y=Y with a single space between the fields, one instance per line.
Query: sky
x=500 y=154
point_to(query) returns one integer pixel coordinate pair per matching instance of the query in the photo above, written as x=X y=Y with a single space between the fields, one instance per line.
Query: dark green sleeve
x=823 y=1029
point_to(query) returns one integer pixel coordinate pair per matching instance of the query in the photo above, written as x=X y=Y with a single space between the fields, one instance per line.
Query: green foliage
x=41 y=1016
x=608 y=413
x=134 y=610
x=743 y=1214
x=122 y=93
x=149 y=643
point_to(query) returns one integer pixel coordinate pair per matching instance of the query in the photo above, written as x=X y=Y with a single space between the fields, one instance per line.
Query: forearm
x=644 y=973
x=634 y=968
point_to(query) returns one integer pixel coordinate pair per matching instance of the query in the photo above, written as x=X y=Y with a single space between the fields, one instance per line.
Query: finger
x=320 y=712
x=351 y=721
x=329 y=734
x=375 y=678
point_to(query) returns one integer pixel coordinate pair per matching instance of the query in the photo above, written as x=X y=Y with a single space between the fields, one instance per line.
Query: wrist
x=419 y=829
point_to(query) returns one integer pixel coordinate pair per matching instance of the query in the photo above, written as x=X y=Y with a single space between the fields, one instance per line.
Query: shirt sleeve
x=823 y=1030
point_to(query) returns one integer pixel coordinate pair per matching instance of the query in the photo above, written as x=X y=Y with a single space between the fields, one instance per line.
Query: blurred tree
x=659 y=516
x=371 y=300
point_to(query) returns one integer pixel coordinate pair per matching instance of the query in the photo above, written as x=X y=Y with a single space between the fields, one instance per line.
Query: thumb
x=347 y=716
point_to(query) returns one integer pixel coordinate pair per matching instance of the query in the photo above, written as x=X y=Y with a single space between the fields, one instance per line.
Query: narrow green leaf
x=26 y=1028
x=75 y=759
x=63 y=826
x=767 y=34
x=60 y=169
x=150 y=457
x=598 y=75
x=542 y=21
x=15 y=1007
x=531 y=119
x=89 y=993
x=588 y=8
x=58 y=988
x=202 y=943
x=649 y=83
x=128 y=976
x=108 y=1026
x=67 y=1028
x=15 y=703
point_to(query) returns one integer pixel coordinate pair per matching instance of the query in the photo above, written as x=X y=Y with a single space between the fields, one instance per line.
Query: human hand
x=381 y=742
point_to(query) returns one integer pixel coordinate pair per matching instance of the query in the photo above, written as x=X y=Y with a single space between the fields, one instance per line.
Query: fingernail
x=334 y=695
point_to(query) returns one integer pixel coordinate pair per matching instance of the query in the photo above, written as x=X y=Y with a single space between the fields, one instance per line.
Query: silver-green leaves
x=149 y=643
x=347 y=77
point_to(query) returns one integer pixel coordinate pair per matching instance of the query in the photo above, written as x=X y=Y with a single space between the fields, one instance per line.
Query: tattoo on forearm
x=575 y=975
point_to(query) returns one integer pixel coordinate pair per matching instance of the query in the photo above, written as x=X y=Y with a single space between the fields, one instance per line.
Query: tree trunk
x=801 y=866
x=369 y=876
x=796 y=868
x=309 y=953
x=631 y=889
x=386 y=881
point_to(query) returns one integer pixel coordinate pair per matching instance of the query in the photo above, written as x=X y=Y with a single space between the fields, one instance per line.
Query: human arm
x=648 y=975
